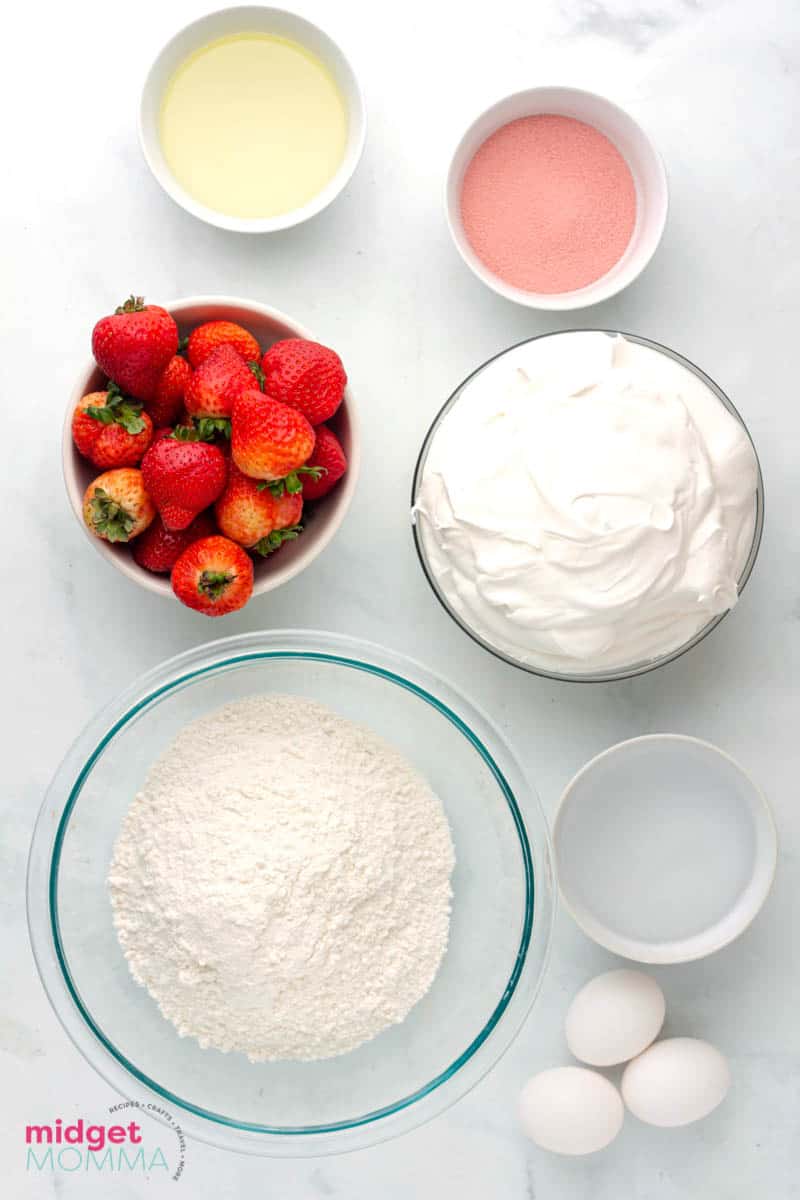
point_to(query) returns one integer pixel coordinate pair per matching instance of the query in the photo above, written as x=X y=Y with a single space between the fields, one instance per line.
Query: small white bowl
x=268 y=325
x=250 y=19
x=633 y=144
x=665 y=848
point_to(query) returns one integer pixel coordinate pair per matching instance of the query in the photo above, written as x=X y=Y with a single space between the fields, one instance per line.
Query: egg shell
x=571 y=1110
x=614 y=1017
x=676 y=1082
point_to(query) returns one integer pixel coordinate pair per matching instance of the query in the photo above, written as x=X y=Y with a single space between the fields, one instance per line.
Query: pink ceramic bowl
x=649 y=177
x=268 y=325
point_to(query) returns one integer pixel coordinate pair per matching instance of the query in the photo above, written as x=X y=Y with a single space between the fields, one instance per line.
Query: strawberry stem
x=118 y=410
x=261 y=378
x=202 y=429
x=186 y=433
x=291 y=483
x=132 y=304
x=209 y=427
x=109 y=518
x=270 y=543
x=214 y=584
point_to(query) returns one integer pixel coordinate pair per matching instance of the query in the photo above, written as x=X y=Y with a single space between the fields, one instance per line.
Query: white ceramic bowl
x=268 y=325
x=632 y=142
x=665 y=849
x=250 y=19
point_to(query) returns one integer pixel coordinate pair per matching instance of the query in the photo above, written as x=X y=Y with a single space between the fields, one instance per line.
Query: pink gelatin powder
x=548 y=204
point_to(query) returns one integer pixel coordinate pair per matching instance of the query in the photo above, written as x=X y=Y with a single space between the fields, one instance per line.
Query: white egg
x=571 y=1110
x=614 y=1017
x=675 y=1082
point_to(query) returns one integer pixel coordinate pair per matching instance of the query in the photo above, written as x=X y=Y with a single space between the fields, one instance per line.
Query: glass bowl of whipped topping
x=588 y=505
x=227 y=879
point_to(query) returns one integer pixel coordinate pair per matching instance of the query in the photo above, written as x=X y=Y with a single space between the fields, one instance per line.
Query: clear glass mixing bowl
x=631 y=669
x=502 y=920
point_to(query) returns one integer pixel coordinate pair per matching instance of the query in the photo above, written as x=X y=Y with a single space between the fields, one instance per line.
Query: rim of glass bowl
x=639 y=668
x=513 y=1005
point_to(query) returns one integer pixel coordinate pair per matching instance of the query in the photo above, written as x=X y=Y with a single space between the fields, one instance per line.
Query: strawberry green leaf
x=203 y=429
x=261 y=378
x=291 y=483
x=130 y=418
x=275 y=539
x=109 y=518
x=132 y=304
x=183 y=345
x=209 y=427
x=214 y=583
x=104 y=415
x=118 y=410
x=186 y=433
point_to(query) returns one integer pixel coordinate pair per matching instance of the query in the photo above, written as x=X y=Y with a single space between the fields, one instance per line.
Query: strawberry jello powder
x=548 y=204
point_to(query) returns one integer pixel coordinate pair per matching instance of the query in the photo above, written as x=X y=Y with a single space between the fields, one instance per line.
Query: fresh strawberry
x=134 y=345
x=159 y=548
x=306 y=375
x=167 y=404
x=216 y=383
x=329 y=459
x=110 y=430
x=183 y=478
x=116 y=506
x=205 y=339
x=253 y=517
x=116 y=448
x=213 y=576
x=269 y=440
x=86 y=429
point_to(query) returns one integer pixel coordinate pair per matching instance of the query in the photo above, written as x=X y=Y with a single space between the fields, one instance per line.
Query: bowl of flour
x=295 y=889
x=281 y=885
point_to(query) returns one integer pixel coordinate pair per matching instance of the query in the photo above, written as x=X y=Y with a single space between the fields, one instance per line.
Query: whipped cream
x=587 y=504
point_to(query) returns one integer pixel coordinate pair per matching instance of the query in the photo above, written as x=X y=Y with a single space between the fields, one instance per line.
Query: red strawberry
x=183 y=478
x=216 y=383
x=329 y=458
x=253 y=517
x=167 y=404
x=159 y=548
x=213 y=576
x=306 y=375
x=269 y=440
x=206 y=338
x=110 y=430
x=116 y=506
x=86 y=429
x=134 y=345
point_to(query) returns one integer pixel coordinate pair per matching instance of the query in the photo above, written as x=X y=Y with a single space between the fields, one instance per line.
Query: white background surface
x=717 y=85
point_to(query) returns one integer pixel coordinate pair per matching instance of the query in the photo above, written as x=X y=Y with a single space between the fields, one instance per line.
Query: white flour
x=281 y=886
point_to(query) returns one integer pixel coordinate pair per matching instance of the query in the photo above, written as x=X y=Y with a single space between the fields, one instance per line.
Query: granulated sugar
x=548 y=204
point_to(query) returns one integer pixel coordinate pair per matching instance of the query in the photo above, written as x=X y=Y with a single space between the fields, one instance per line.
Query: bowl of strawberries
x=210 y=448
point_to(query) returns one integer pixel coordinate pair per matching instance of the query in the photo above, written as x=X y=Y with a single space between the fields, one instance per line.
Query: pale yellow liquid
x=253 y=125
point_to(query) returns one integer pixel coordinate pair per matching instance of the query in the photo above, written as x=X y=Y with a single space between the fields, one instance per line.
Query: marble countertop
x=718 y=86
